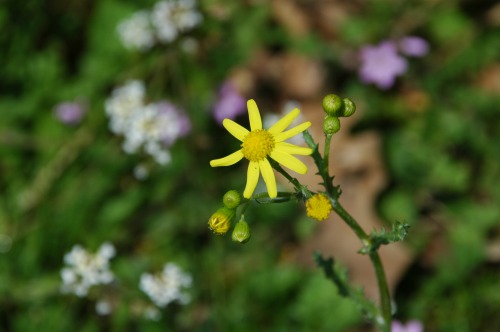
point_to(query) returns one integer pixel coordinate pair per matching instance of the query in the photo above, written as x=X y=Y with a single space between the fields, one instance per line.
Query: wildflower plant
x=266 y=150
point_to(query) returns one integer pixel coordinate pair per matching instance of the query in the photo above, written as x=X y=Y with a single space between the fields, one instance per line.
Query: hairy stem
x=322 y=165
x=383 y=288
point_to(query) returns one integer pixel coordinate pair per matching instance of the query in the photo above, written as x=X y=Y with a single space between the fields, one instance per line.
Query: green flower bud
x=232 y=199
x=241 y=232
x=220 y=221
x=331 y=125
x=332 y=104
x=348 y=108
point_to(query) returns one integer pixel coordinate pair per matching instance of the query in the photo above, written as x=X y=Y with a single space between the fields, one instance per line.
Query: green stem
x=292 y=180
x=326 y=153
x=283 y=196
x=349 y=220
x=322 y=164
x=47 y=175
x=383 y=288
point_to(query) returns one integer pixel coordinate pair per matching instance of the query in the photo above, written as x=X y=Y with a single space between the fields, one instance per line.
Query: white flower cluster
x=137 y=31
x=167 y=286
x=153 y=127
x=85 y=270
x=167 y=20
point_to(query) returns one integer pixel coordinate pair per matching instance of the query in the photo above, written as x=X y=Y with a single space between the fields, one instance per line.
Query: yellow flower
x=318 y=207
x=258 y=144
x=220 y=221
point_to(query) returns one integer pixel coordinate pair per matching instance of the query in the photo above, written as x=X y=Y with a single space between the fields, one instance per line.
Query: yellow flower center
x=257 y=145
x=318 y=207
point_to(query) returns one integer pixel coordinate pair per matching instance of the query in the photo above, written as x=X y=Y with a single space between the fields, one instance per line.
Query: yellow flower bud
x=220 y=221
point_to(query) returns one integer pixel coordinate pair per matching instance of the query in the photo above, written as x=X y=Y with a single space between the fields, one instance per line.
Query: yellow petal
x=252 y=179
x=284 y=122
x=254 y=115
x=292 y=132
x=232 y=159
x=289 y=161
x=293 y=149
x=268 y=175
x=235 y=129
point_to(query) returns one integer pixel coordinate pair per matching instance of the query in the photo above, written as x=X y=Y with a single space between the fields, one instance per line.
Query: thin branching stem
x=383 y=288
x=333 y=193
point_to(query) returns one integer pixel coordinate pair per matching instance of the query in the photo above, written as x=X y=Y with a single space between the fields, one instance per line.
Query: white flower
x=160 y=155
x=124 y=104
x=141 y=172
x=167 y=286
x=85 y=270
x=103 y=307
x=170 y=17
x=137 y=32
x=152 y=127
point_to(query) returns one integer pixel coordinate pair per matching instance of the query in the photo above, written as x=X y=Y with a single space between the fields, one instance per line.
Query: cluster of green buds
x=221 y=221
x=336 y=107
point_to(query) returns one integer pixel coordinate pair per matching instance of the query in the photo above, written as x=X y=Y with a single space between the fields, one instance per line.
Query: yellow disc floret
x=318 y=207
x=257 y=145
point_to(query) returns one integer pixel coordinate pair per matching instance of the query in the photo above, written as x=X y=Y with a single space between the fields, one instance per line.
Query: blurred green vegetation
x=63 y=185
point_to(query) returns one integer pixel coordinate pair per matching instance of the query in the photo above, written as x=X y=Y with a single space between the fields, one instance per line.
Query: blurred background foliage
x=64 y=185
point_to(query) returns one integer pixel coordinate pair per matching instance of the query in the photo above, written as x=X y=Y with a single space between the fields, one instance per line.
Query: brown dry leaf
x=358 y=169
x=417 y=101
x=493 y=16
x=329 y=17
x=292 y=17
x=489 y=79
x=243 y=80
x=296 y=75
x=493 y=252
x=302 y=77
x=267 y=67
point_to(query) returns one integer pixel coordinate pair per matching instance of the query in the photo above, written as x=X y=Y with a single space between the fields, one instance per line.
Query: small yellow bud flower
x=318 y=207
x=220 y=221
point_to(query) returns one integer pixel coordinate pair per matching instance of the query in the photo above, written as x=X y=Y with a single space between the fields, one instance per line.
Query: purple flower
x=414 y=46
x=411 y=326
x=230 y=103
x=69 y=112
x=381 y=64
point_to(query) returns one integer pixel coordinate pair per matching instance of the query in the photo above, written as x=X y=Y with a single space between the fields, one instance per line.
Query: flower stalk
x=266 y=150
